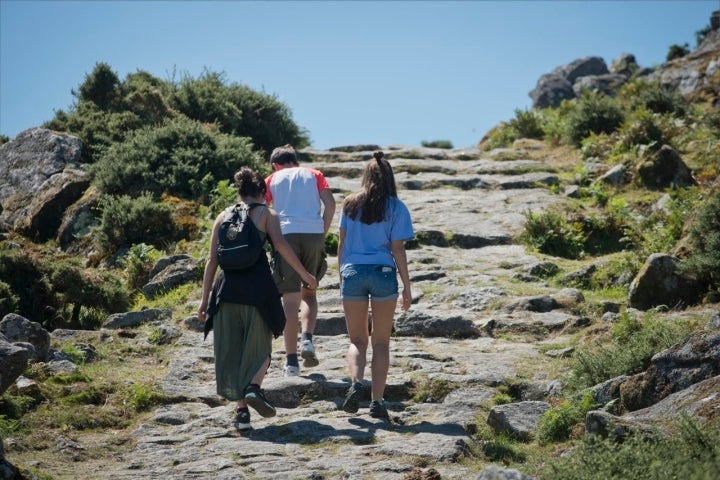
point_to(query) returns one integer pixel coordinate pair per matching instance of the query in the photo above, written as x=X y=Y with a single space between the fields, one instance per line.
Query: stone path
x=467 y=209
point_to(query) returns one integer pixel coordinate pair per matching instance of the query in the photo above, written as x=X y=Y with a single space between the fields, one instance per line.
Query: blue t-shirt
x=371 y=244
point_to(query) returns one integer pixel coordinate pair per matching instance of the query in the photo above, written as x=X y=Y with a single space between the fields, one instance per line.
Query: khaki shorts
x=310 y=249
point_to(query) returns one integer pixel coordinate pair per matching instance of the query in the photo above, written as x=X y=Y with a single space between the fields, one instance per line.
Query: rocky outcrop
x=672 y=370
x=40 y=176
x=696 y=75
x=18 y=329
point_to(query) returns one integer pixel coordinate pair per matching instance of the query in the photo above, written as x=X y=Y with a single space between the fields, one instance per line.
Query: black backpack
x=239 y=244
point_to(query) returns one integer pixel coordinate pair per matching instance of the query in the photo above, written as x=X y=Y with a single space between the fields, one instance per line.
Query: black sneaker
x=255 y=397
x=242 y=419
x=352 y=398
x=378 y=410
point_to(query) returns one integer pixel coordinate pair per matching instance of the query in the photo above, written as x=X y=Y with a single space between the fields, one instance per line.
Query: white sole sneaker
x=307 y=353
x=291 y=371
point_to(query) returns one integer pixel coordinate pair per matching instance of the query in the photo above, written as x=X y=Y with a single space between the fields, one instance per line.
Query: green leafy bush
x=693 y=452
x=238 y=110
x=59 y=292
x=593 y=113
x=527 y=124
x=677 y=51
x=137 y=264
x=629 y=350
x=8 y=300
x=556 y=424
x=180 y=158
x=704 y=243
x=223 y=195
x=551 y=233
x=127 y=221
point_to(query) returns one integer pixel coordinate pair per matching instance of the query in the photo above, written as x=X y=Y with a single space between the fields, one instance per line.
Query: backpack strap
x=250 y=206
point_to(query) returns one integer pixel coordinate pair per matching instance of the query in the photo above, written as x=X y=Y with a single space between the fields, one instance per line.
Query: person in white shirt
x=302 y=198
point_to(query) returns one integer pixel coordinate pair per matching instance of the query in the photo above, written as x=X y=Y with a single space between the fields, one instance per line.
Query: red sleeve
x=322 y=183
x=268 y=193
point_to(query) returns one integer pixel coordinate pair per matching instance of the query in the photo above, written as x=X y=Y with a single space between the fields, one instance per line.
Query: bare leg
x=382 y=314
x=308 y=310
x=291 y=305
x=356 y=318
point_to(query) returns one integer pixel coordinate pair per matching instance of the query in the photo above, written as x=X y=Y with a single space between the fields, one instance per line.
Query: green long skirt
x=242 y=343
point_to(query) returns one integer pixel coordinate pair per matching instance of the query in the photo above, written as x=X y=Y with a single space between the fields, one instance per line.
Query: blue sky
x=352 y=72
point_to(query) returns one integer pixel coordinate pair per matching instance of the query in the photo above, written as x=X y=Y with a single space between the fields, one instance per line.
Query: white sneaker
x=307 y=352
x=291 y=371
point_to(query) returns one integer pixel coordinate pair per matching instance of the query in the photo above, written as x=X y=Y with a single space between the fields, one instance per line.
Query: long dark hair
x=250 y=183
x=378 y=184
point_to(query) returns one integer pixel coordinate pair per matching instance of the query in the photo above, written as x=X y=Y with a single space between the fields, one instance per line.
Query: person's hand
x=406 y=298
x=310 y=281
x=202 y=313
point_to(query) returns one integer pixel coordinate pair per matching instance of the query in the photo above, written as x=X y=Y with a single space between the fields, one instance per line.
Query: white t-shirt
x=294 y=192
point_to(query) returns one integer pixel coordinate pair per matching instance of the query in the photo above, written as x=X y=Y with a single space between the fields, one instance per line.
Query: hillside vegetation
x=161 y=155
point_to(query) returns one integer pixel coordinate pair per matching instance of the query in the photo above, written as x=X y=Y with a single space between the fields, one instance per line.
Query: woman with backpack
x=244 y=308
x=374 y=225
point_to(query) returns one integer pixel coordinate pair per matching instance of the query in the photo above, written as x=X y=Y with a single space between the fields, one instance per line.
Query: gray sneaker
x=352 y=398
x=307 y=353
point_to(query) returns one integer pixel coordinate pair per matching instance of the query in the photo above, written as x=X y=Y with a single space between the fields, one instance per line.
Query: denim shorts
x=379 y=282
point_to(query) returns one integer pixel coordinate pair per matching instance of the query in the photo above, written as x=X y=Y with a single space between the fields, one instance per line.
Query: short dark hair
x=284 y=155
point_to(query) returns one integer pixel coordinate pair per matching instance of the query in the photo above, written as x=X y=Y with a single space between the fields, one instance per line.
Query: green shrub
x=181 y=158
x=238 y=110
x=143 y=396
x=642 y=128
x=4 y=139
x=331 y=243
x=677 y=51
x=222 y=196
x=8 y=300
x=503 y=448
x=137 y=264
x=447 y=144
x=663 y=229
x=704 y=243
x=593 y=113
x=527 y=124
x=58 y=292
x=126 y=221
x=556 y=424
x=551 y=233
x=693 y=452
x=628 y=352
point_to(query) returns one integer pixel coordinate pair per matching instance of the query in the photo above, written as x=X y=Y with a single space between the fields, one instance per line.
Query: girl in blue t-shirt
x=374 y=225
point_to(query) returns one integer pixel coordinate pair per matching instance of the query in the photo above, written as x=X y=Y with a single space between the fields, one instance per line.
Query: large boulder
x=665 y=168
x=40 y=176
x=551 y=90
x=13 y=360
x=556 y=86
x=18 y=329
x=660 y=283
x=170 y=272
